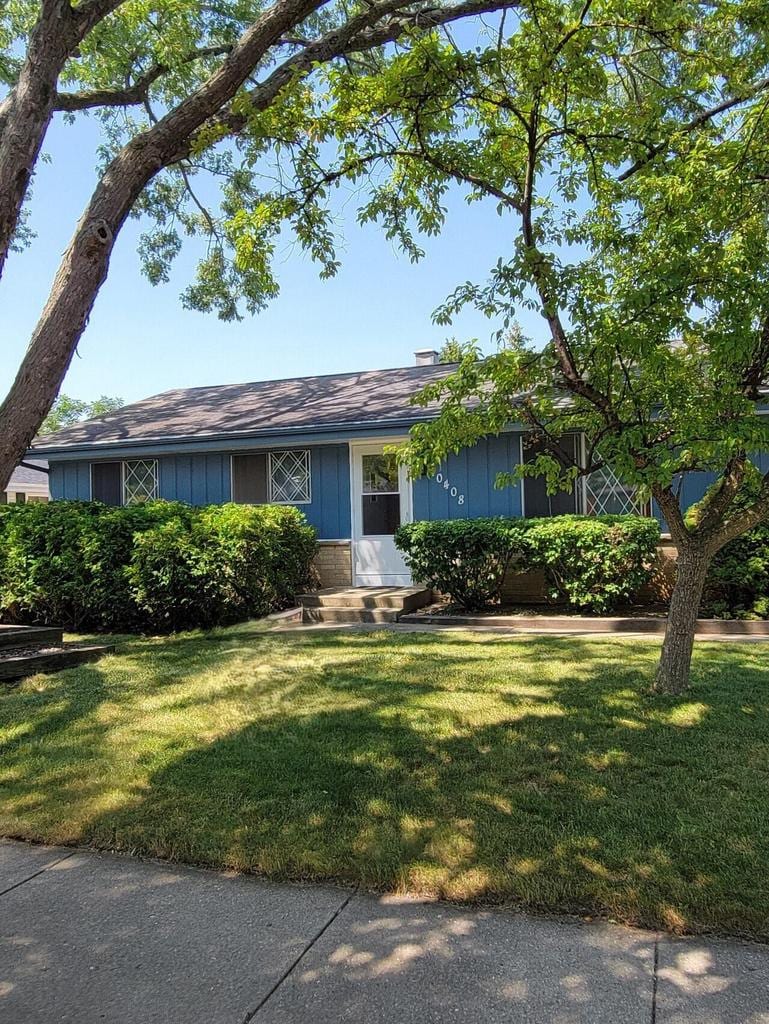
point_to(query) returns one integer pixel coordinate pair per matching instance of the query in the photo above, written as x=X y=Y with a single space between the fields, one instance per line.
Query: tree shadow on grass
x=428 y=766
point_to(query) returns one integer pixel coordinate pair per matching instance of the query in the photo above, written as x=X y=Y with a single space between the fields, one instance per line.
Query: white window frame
x=127 y=462
x=306 y=455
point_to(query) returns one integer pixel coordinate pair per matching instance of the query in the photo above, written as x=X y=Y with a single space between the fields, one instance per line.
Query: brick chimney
x=426 y=357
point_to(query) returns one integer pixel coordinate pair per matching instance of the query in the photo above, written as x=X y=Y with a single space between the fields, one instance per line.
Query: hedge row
x=160 y=566
x=591 y=563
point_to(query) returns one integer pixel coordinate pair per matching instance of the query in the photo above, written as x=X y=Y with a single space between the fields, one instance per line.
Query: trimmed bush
x=158 y=565
x=591 y=563
x=466 y=559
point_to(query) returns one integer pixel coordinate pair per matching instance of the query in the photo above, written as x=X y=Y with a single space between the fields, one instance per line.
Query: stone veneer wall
x=334 y=563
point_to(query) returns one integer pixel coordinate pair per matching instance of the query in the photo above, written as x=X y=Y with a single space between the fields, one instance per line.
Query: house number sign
x=443 y=480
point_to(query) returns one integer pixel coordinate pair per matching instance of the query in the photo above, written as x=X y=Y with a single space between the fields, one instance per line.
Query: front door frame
x=374 y=446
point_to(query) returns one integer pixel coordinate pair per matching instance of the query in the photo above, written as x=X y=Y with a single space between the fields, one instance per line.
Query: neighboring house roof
x=369 y=398
x=26 y=479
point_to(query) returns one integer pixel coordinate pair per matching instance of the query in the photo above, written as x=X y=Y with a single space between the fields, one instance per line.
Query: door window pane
x=381 y=514
x=380 y=474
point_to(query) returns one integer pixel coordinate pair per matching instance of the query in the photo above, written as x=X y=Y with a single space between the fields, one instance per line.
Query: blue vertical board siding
x=470 y=475
x=70 y=480
x=196 y=479
x=204 y=479
x=329 y=510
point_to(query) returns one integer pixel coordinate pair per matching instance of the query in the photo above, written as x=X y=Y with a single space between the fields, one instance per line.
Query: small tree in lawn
x=628 y=148
x=192 y=97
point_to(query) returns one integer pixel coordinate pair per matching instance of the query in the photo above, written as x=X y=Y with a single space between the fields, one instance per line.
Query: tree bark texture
x=672 y=675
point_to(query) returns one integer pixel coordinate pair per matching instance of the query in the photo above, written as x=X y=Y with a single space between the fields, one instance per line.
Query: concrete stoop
x=362 y=604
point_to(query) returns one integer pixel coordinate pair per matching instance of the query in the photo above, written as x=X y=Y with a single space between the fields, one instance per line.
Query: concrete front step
x=326 y=614
x=401 y=599
x=29 y=636
x=29 y=662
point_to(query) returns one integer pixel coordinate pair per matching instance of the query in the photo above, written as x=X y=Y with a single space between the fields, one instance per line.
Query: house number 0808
x=446 y=484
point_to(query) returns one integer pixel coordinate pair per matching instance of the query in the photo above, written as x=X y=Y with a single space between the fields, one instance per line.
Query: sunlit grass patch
x=534 y=770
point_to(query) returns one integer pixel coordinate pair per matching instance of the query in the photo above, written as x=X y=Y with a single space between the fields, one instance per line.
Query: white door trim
x=374 y=447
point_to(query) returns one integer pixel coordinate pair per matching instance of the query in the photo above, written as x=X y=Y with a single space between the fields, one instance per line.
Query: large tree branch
x=89 y=13
x=703 y=118
x=717 y=504
x=671 y=510
x=358 y=34
x=743 y=521
x=131 y=95
x=85 y=264
x=26 y=111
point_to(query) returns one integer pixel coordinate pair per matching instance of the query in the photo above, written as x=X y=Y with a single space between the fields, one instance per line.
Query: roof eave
x=238 y=435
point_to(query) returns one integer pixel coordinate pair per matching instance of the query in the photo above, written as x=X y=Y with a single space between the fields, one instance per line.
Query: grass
x=533 y=770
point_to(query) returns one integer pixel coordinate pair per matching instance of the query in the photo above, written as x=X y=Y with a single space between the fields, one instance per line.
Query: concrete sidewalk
x=87 y=938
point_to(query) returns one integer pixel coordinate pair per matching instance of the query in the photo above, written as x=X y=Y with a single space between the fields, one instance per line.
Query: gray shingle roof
x=343 y=399
x=24 y=475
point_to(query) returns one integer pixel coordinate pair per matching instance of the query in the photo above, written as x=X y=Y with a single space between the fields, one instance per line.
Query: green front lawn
x=535 y=770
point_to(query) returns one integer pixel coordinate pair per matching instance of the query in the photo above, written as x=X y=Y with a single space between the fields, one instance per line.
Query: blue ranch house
x=317 y=443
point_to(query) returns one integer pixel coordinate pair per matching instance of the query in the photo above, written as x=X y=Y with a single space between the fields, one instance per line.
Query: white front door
x=381 y=501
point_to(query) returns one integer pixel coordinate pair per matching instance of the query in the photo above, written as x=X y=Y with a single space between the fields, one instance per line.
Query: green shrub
x=592 y=563
x=224 y=564
x=170 y=578
x=738 y=579
x=158 y=565
x=109 y=548
x=44 y=575
x=466 y=559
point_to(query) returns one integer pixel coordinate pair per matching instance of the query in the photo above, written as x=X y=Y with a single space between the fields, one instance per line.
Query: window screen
x=106 y=482
x=140 y=481
x=290 y=477
x=537 y=502
x=249 y=479
x=605 y=494
x=380 y=495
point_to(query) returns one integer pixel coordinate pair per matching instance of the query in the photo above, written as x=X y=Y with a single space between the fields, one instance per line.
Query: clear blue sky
x=141 y=341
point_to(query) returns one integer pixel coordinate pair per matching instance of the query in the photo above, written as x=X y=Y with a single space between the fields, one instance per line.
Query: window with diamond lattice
x=140 y=481
x=290 y=477
x=605 y=494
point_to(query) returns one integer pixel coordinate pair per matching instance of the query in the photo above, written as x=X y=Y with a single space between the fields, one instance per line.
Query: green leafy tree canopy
x=66 y=411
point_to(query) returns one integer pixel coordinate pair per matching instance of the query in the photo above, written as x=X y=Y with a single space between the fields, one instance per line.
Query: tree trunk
x=675 y=662
x=85 y=264
x=26 y=112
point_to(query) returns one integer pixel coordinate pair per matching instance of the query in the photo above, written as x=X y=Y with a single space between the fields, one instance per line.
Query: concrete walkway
x=90 y=937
